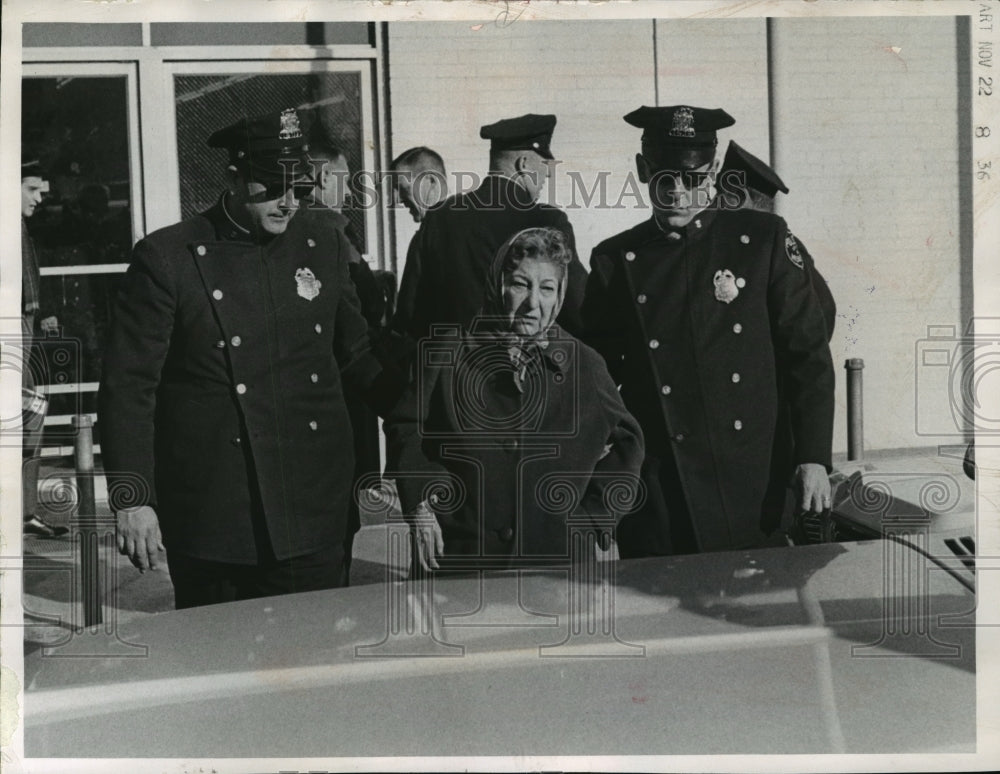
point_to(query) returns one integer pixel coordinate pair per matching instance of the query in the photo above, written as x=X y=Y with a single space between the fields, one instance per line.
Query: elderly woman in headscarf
x=512 y=431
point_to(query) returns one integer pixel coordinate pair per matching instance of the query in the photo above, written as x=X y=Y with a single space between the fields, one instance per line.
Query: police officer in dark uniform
x=221 y=406
x=700 y=312
x=444 y=279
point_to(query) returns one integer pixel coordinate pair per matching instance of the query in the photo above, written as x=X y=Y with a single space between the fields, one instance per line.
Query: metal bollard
x=855 y=409
x=90 y=536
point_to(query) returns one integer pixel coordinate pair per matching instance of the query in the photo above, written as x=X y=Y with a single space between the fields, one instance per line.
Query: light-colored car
x=862 y=646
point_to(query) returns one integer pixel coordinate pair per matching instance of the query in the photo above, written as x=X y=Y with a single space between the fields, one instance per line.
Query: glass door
x=79 y=121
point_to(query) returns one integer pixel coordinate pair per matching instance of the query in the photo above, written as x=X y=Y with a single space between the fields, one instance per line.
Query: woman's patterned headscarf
x=531 y=244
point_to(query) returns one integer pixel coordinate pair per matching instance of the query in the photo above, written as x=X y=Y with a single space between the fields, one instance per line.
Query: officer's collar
x=226 y=227
x=693 y=229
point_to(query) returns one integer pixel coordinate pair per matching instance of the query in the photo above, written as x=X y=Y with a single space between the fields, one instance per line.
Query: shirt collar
x=693 y=229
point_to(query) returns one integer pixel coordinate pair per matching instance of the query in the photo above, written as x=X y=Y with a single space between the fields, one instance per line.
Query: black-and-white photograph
x=499 y=386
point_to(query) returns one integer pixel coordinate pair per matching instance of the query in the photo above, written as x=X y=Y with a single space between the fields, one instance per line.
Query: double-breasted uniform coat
x=524 y=466
x=444 y=280
x=699 y=325
x=221 y=402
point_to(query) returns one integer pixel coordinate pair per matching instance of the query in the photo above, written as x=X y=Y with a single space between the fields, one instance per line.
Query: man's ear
x=713 y=171
x=642 y=167
x=232 y=179
x=521 y=163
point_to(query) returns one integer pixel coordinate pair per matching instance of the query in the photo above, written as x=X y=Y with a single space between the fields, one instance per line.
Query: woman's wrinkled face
x=531 y=295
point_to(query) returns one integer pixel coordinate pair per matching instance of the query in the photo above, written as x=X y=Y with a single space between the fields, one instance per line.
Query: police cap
x=679 y=136
x=265 y=145
x=757 y=175
x=528 y=132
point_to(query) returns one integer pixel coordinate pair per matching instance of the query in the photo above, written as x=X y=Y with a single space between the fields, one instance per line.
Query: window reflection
x=77 y=127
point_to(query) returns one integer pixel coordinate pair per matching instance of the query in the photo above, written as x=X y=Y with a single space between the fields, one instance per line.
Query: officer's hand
x=49 y=325
x=813 y=486
x=428 y=542
x=139 y=537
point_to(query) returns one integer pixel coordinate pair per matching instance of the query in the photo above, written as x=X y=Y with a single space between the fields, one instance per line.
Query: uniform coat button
x=665 y=389
x=236 y=341
x=641 y=298
x=653 y=343
x=737 y=425
x=318 y=328
x=217 y=294
x=314 y=378
x=506 y=534
x=313 y=425
x=220 y=344
x=311 y=242
x=241 y=388
x=629 y=256
x=745 y=239
x=201 y=250
x=737 y=328
x=679 y=437
x=237 y=441
x=736 y=378
x=510 y=444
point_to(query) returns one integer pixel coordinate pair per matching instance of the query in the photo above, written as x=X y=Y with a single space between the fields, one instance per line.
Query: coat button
x=697 y=223
x=741 y=283
x=736 y=378
x=629 y=256
x=200 y=249
x=737 y=328
x=653 y=343
x=313 y=425
x=237 y=441
x=510 y=444
x=745 y=239
x=318 y=328
x=217 y=294
x=314 y=378
x=506 y=534
x=236 y=341
x=665 y=389
x=679 y=437
x=220 y=344
x=737 y=425
x=641 y=298
x=673 y=236
x=311 y=242
x=241 y=388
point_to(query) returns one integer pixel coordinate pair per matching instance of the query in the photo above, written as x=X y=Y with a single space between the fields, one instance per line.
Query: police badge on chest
x=727 y=285
x=306 y=284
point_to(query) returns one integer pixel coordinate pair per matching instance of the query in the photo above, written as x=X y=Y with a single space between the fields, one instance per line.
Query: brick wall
x=866 y=132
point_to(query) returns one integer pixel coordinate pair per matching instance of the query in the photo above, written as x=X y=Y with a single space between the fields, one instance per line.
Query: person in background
x=701 y=312
x=755 y=186
x=444 y=279
x=418 y=180
x=33 y=186
x=221 y=406
x=513 y=410
x=326 y=204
